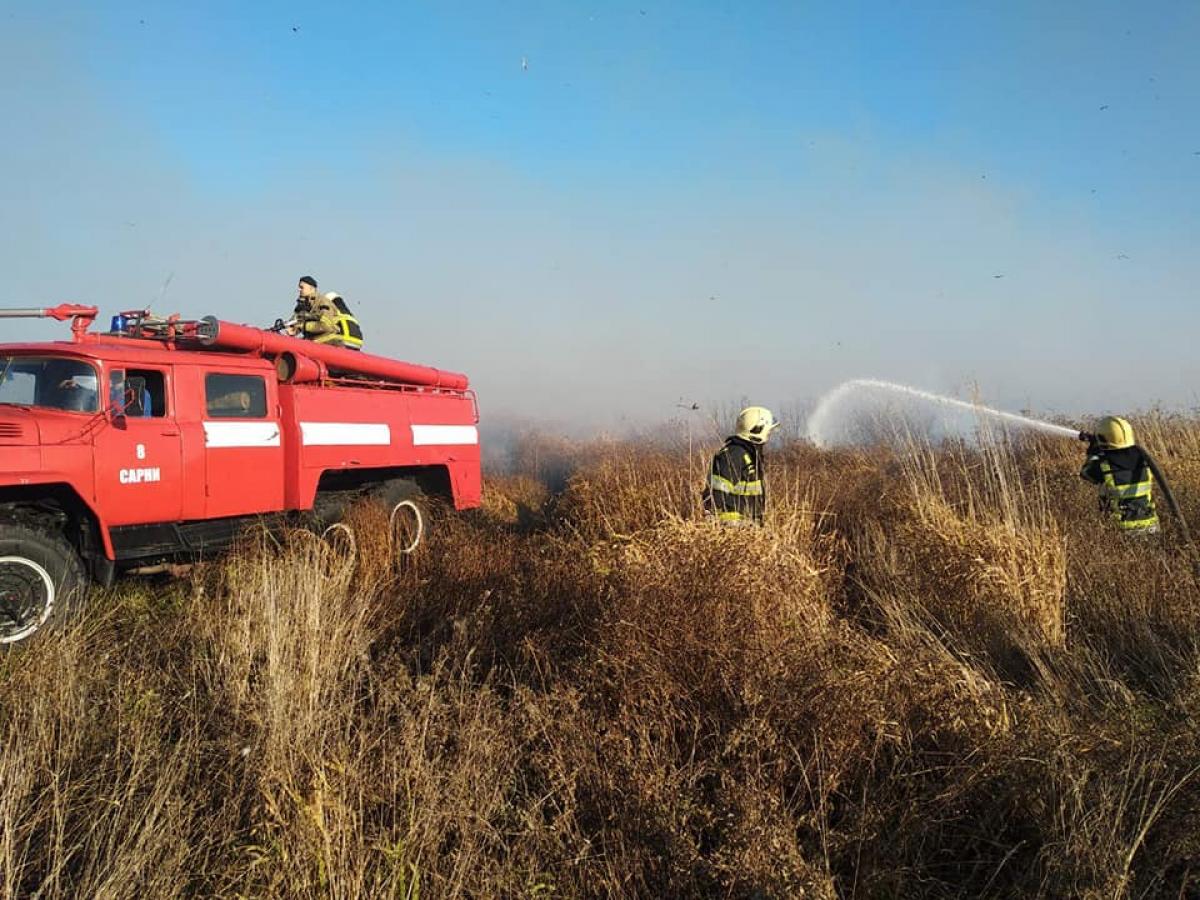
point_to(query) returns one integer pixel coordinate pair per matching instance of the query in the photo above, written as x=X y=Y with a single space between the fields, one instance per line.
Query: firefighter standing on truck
x=306 y=297
x=324 y=318
x=736 y=490
x=1119 y=467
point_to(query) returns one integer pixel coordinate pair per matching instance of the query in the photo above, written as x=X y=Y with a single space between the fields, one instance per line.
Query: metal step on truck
x=160 y=440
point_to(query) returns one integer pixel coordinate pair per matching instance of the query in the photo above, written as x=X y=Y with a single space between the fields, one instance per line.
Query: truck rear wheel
x=340 y=536
x=41 y=581
x=408 y=514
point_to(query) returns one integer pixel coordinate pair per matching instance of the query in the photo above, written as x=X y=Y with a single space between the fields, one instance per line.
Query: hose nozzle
x=1087 y=437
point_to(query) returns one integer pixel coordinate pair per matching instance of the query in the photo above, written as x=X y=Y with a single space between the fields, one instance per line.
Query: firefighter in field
x=736 y=491
x=1122 y=472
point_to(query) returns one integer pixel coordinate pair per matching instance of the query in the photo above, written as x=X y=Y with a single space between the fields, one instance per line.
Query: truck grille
x=11 y=431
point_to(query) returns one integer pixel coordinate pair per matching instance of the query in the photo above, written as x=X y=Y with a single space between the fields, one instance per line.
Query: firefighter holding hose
x=1124 y=474
x=307 y=299
x=736 y=493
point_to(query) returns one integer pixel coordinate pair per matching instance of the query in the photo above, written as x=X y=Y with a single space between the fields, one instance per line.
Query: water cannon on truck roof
x=161 y=439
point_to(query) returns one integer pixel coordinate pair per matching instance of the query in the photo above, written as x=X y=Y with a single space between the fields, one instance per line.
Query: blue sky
x=701 y=200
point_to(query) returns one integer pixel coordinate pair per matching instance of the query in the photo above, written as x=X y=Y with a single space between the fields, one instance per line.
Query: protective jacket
x=1126 y=486
x=736 y=493
x=326 y=323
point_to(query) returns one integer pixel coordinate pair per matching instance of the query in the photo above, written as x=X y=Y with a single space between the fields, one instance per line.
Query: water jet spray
x=823 y=430
x=822 y=423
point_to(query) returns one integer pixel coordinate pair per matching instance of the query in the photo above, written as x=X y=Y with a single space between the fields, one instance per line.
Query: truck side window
x=235 y=396
x=18 y=388
x=141 y=393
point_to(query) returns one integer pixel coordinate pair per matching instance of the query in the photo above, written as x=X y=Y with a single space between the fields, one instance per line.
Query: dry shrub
x=1099 y=803
x=737 y=714
x=514 y=500
x=969 y=542
x=286 y=629
x=597 y=695
x=375 y=552
x=1135 y=604
x=706 y=615
x=983 y=577
x=416 y=797
x=289 y=634
x=706 y=638
x=95 y=771
x=627 y=489
x=747 y=592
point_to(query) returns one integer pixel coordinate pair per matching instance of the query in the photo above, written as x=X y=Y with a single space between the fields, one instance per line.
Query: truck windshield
x=50 y=381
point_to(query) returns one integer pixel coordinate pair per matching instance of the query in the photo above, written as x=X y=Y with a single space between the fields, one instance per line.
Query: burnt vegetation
x=937 y=674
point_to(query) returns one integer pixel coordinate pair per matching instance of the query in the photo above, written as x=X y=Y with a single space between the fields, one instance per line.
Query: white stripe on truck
x=359 y=434
x=444 y=435
x=241 y=434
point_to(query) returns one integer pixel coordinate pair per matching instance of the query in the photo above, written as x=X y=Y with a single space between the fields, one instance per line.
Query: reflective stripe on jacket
x=735 y=492
x=1126 y=487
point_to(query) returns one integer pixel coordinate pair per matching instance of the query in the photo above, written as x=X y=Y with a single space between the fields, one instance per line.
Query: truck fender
x=38 y=486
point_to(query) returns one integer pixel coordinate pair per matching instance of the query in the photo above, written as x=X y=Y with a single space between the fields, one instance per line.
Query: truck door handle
x=170 y=434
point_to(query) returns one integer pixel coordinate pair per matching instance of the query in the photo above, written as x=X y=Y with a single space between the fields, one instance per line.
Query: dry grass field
x=936 y=674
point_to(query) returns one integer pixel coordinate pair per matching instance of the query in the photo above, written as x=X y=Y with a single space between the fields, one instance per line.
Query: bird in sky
x=524 y=64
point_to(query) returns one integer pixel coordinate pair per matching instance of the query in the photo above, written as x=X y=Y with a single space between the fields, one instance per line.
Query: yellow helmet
x=1115 y=433
x=755 y=424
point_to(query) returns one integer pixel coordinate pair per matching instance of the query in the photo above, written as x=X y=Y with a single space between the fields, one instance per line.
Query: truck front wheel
x=41 y=580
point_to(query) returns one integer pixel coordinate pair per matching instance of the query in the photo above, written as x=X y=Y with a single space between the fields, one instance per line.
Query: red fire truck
x=160 y=440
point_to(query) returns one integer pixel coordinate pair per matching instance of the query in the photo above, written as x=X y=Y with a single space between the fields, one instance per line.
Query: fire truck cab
x=160 y=440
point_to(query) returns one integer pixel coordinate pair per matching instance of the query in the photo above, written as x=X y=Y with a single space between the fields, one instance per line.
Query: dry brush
x=935 y=673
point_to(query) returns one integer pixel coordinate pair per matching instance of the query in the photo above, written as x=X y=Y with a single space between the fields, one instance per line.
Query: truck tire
x=41 y=581
x=408 y=513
